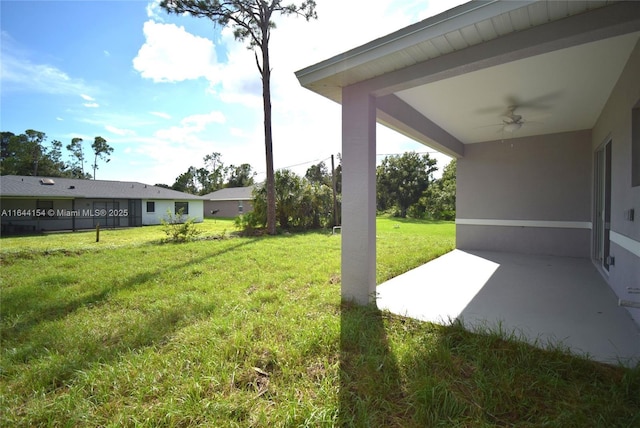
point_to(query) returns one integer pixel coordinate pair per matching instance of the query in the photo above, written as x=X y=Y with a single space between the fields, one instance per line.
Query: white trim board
x=625 y=242
x=525 y=223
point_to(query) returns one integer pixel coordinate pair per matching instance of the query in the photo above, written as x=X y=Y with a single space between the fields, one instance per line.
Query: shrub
x=300 y=204
x=247 y=223
x=178 y=227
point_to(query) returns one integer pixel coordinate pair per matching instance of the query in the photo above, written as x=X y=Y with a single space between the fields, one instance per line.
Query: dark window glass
x=184 y=206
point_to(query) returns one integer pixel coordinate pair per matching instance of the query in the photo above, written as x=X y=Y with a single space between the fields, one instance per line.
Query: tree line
x=405 y=188
x=302 y=203
x=213 y=175
x=29 y=154
x=404 y=183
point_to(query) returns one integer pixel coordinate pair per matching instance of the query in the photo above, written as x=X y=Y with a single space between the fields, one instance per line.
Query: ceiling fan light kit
x=512 y=127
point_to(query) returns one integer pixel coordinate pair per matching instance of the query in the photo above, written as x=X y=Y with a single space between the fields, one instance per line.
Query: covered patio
x=543 y=300
x=539 y=102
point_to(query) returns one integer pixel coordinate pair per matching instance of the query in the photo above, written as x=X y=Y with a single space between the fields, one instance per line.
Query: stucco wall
x=529 y=195
x=226 y=208
x=162 y=206
x=67 y=214
x=82 y=214
x=12 y=222
x=615 y=123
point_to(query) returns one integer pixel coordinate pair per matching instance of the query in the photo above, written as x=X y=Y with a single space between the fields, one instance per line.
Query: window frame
x=635 y=145
x=181 y=204
x=44 y=205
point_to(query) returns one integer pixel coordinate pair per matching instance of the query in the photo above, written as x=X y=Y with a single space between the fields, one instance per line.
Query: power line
x=300 y=164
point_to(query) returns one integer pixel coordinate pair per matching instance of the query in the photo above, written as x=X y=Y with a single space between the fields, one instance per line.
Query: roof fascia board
x=38 y=197
x=618 y=19
x=450 y=20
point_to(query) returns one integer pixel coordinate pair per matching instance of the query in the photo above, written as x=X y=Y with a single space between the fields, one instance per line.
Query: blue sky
x=165 y=91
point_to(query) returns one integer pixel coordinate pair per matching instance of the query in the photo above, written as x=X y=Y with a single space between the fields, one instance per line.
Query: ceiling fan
x=512 y=121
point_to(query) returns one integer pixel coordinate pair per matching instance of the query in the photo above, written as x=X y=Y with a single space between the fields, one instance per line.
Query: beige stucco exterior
x=615 y=125
x=574 y=64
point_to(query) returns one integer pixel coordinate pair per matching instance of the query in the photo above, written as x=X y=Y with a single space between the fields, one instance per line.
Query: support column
x=358 y=196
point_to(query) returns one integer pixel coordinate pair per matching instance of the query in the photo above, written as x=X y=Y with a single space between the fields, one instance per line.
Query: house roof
x=448 y=81
x=70 y=188
x=231 y=194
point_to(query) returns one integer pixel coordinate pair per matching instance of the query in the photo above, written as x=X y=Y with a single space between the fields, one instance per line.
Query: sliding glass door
x=602 y=198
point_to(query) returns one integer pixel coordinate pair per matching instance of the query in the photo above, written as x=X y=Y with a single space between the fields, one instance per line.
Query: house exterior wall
x=14 y=221
x=63 y=214
x=106 y=212
x=162 y=206
x=226 y=208
x=615 y=123
x=83 y=213
x=528 y=195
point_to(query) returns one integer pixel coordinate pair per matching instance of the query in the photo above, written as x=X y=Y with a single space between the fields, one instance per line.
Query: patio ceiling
x=448 y=81
x=564 y=90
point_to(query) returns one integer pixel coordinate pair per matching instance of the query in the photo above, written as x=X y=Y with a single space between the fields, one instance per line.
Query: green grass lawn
x=250 y=331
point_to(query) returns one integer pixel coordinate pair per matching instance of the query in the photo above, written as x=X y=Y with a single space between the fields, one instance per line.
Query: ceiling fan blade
x=489 y=110
x=513 y=103
x=511 y=118
x=542 y=102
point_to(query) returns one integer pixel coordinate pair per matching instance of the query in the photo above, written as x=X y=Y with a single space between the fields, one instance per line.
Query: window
x=45 y=210
x=44 y=205
x=240 y=207
x=635 y=145
x=184 y=206
x=151 y=207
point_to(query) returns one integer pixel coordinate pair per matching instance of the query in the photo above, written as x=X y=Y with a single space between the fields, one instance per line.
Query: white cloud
x=91 y=105
x=161 y=114
x=199 y=121
x=306 y=126
x=189 y=127
x=238 y=132
x=152 y=10
x=87 y=97
x=17 y=72
x=171 y=54
x=119 y=131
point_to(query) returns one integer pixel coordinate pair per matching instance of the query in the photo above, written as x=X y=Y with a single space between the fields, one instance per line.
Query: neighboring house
x=228 y=202
x=42 y=204
x=539 y=101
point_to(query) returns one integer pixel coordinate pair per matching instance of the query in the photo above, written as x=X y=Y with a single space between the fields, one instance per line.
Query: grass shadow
x=460 y=377
x=32 y=333
x=25 y=308
x=147 y=276
x=371 y=390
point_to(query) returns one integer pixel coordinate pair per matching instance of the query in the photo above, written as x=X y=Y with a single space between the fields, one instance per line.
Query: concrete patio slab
x=542 y=299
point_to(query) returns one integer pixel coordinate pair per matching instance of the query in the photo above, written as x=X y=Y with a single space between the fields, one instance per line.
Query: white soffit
x=560 y=91
x=467 y=25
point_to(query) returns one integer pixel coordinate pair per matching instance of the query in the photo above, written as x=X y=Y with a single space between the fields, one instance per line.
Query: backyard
x=250 y=331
